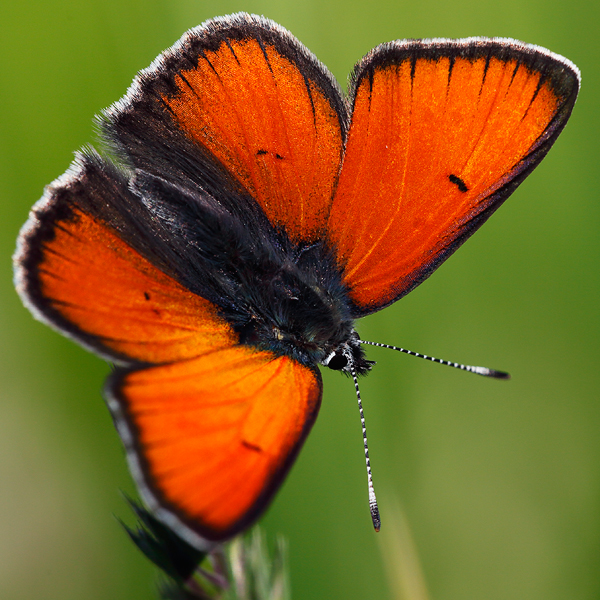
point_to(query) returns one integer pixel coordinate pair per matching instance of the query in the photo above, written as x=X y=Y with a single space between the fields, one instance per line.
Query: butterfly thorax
x=297 y=306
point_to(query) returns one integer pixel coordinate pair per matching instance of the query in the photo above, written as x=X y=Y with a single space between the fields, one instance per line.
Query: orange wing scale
x=99 y=284
x=271 y=128
x=216 y=434
x=414 y=127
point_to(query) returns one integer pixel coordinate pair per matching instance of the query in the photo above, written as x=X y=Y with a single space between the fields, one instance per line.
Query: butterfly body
x=280 y=296
x=253 y=214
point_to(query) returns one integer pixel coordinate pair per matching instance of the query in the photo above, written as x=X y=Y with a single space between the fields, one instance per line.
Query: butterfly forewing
x=441 y=133
x=244 y=94
x=78 y=274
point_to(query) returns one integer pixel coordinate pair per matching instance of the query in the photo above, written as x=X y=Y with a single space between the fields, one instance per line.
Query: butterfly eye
x=336 y=360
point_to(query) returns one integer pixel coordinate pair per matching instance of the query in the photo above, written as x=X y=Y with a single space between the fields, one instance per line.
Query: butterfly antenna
x=372 y=498
x=483 y=371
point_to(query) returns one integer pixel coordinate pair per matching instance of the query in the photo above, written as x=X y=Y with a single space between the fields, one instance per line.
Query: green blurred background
x=499 y=481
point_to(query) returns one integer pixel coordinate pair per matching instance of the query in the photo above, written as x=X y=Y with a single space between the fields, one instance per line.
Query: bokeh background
x=498 y=482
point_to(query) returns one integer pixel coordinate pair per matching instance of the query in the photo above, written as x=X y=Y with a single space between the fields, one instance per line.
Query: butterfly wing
x=210 y=439
x=239 y=97
x=213 y=427
x=442 y=132
x=74 y=270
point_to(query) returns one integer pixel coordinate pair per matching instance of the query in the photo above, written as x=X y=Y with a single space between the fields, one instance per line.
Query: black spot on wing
x=262 y=152
x=251 y=446
x=460 y=184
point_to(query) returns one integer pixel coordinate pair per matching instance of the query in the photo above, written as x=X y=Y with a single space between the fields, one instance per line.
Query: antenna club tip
x=499 y=374
x=490 y=373
x=375 y=518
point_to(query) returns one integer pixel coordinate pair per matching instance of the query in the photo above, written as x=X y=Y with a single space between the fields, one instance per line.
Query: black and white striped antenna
x=483 y=371
x=372 y=498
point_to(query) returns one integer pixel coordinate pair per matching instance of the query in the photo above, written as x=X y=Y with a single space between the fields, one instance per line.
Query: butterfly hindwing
x=442 y=132
x=210 y=439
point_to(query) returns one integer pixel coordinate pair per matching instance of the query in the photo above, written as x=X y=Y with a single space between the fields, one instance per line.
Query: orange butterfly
x=254 y=214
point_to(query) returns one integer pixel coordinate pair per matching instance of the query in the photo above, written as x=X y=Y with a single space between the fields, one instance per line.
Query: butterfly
x=246 y=213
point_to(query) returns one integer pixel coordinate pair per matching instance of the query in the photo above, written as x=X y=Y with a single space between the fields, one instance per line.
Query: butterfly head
x=348 y=357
